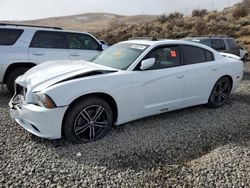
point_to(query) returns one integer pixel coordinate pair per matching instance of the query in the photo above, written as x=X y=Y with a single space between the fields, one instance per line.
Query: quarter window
x=9 y=37
x=209 y=56
x=47 y=39
x=81 y=42
x=218 y=44
x=165 y=57
x=232 y=44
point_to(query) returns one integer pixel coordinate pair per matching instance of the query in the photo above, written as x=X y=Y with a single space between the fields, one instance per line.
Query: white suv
x=24 y=46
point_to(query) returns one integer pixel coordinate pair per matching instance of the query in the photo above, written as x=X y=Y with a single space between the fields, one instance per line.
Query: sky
x=36 y=9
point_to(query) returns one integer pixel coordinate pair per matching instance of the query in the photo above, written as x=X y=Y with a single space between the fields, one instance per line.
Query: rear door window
x=218 y=44
x=48 y=39
x=9 y=37
x=193 y=54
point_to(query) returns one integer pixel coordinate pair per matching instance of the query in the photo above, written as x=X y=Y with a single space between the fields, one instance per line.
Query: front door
x=82 y=46
x=161 y=87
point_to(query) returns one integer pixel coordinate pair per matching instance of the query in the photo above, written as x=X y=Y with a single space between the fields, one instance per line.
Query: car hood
x=50 y=73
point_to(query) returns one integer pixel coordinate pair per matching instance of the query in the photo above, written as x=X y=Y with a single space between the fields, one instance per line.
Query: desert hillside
x=233 y=21
x=91 y=21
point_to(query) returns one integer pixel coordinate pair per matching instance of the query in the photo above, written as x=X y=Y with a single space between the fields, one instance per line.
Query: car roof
x=173 y=42
x=210 y=37
x=165 y=42
x=36 y=28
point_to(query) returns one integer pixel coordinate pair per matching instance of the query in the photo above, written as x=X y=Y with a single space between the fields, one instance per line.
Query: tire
x=89 y=119
x=13 y=76
x=220 y=93
x=245 y=57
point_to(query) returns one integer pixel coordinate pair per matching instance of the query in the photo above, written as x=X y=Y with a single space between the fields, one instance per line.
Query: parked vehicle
x=130 y=80
x=243 y=54
x=222 y=44
x=24 y=46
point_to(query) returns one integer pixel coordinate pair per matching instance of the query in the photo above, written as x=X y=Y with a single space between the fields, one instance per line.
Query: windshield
x=120 y=56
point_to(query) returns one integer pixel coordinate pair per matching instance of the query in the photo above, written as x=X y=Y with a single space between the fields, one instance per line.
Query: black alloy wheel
x=220 y=93
x=89 y=119
x=90 y=123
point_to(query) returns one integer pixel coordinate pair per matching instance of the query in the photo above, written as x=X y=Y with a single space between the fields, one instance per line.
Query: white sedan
x=81 y=100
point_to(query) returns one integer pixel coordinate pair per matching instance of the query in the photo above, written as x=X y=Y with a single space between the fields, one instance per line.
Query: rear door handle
x=180 y=76
x=38 y=54
x=75 y=54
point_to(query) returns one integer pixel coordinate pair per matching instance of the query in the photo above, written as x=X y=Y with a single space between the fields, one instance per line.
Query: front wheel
x=220 y=93
x=89 y=119
x=13 y=76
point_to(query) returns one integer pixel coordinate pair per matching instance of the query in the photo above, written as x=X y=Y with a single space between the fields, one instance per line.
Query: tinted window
x=81 y=41
x=232 y=44
x=193 y=54
x=47 y=39
x=206 y=42
x=218 y=44
x=209 y=56
x=165 y=57
x=9 y=36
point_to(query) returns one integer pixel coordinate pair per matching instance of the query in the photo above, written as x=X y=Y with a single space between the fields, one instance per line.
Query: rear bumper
x=42 y=122
x=236 y=82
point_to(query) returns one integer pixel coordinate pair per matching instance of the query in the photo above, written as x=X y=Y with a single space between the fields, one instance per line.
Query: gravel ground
x=194 y=147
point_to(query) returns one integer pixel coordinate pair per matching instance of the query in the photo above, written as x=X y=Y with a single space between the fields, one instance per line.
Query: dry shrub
x=243 y=31
x=174 y=16
x=240 y=11
x=162 y=18
x=199 y=13
x=175 y=25
x=246 y=3
x=199 y=27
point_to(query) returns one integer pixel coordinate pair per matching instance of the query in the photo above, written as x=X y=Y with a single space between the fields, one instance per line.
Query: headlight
x=43 y=100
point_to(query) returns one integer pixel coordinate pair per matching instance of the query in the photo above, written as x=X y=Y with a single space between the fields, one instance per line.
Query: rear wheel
x=87 y=120
x=220 y=93
x=245 y=57
x=13 y=76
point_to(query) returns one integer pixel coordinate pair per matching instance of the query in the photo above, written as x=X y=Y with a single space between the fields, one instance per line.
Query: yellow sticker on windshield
x=117 y=53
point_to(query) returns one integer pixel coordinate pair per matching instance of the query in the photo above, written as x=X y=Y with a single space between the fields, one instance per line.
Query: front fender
x=116 y=85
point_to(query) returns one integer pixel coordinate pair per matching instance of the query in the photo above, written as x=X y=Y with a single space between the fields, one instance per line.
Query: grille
x=21 y=90
x=19 y=97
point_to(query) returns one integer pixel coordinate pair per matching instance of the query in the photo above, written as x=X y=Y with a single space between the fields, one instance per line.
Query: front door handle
x=75 y=55
x=180 y=76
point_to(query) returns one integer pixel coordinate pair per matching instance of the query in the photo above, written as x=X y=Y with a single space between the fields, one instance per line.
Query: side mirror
x=104 y=46
x=147 y=63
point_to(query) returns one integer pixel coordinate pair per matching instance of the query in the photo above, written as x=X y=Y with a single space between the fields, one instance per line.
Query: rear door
x=47 y=46
x=201 y=72
x=82 y=46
